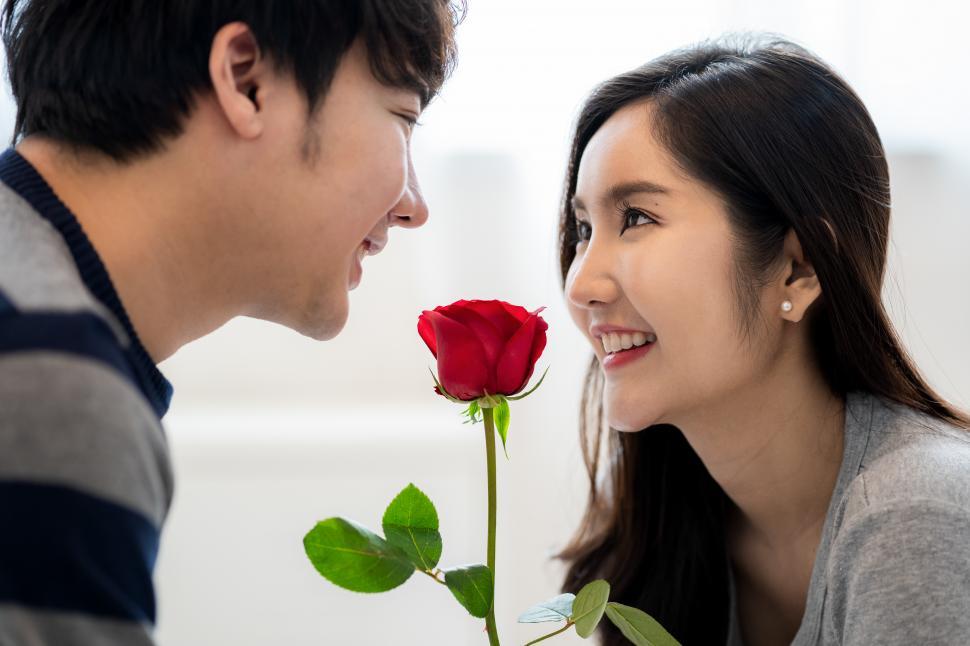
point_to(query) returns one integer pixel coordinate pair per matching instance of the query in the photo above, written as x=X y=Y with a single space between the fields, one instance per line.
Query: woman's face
x=655 y=257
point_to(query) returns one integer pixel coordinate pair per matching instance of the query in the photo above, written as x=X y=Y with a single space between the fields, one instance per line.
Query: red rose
x=483 y=346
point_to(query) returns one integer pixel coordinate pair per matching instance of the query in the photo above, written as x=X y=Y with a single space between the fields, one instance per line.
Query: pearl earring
x=786 y=306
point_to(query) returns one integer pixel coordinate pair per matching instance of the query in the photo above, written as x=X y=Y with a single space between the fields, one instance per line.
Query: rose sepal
x=444 y=393
x=490 y=401
x=473 y=413
x=531 y=390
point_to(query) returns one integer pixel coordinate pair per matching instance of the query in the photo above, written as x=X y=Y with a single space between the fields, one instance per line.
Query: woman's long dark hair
x=788 y=145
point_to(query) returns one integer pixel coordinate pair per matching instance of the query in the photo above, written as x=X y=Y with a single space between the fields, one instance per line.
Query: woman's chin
x=630 y=407
x=628 y=421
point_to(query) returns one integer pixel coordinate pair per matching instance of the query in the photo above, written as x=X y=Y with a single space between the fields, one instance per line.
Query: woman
x=767 y=465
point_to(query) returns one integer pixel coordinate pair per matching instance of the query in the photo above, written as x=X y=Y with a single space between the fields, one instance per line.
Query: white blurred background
x=271 y=431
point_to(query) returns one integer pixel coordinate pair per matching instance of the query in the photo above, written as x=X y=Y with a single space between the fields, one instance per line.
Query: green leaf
x=502 y=417
x=533 y=389
x=472 y=586
x=411 y=524
x=639 y=627
x=589 y=606
x=355 y=558
x=556 y=609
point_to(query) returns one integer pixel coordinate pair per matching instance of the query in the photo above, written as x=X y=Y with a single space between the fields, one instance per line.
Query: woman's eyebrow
x=622 y=191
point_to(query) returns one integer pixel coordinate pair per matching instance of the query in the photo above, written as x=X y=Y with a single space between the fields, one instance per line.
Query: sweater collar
x=17 y=173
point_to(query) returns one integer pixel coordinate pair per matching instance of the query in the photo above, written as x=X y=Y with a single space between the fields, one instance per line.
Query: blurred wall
x=271 y=431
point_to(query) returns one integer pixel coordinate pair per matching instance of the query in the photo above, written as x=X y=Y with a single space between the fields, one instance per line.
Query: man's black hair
x=119 y=76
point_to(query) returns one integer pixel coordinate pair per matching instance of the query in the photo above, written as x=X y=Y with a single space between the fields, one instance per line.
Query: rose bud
x=483 y=347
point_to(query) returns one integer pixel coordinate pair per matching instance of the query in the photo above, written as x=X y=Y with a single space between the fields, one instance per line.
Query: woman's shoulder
x=910 y=458
x=900 y=556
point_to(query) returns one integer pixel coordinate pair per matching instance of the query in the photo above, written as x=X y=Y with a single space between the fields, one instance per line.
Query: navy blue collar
x=17 y=173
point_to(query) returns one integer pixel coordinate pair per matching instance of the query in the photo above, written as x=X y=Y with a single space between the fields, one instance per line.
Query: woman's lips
x=616 y=359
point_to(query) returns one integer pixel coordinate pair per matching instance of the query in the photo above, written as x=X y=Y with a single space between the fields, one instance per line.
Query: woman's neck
x=776 y=449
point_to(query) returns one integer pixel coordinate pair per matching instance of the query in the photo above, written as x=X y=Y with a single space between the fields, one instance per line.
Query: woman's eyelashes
x=631 y=218
x=583 y=231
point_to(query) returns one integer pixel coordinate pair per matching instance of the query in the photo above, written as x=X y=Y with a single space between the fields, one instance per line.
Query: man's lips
x=374 y=245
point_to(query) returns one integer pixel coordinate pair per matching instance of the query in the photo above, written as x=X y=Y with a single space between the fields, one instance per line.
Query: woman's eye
x=632 y=218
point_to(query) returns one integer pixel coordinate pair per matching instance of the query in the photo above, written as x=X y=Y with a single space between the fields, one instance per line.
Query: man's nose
x=412 y=211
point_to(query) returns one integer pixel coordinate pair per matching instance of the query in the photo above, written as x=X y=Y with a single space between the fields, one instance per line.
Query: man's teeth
x=614 y=341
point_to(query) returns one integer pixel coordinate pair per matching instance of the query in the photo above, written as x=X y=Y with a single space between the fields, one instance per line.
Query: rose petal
x=519 y=313
x=499 y=316
x=539 y=343
x=461 y=358
x=516 y=365
x=492 y=342
x=426 y=330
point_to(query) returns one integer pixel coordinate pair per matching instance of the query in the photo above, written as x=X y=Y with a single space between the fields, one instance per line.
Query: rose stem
x=492 y=505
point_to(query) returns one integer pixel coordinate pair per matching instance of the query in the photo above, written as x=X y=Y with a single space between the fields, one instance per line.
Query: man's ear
x=801 y=286
x=237 y=67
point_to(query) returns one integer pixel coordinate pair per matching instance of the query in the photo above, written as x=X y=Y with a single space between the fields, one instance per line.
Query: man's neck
x=147 y=221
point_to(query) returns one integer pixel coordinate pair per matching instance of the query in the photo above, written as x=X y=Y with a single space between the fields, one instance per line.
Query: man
x=178 y=164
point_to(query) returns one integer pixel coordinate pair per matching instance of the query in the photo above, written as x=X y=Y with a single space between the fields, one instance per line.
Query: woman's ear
x=237 y=70
x=801 y=287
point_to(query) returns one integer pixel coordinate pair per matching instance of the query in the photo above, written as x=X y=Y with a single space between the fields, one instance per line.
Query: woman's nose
x=590 y=281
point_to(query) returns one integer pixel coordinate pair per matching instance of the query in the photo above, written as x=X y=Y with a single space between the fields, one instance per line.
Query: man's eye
x=408 y=119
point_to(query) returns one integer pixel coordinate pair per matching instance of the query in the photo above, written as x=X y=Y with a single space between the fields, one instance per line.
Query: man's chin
x=321 y=320
x=321 y=333
x=326 y=324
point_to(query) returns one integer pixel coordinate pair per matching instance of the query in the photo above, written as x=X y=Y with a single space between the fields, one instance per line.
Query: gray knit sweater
x=893 y=564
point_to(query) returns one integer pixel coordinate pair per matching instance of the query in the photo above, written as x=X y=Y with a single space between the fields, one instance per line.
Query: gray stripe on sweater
x=76 y=422
x=22 y=626
x=37 y=271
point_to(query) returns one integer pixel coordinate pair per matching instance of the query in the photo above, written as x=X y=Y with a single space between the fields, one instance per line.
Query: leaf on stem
x=472 y=586
x=639 y=627
x=411 y=524
x=589 y=606
x=502 y=418
x=355 y=558
x=556 y=609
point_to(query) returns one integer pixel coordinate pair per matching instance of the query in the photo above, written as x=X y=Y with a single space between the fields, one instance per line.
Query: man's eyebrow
x=420 y=92
x=408 y=92
x=622 y=191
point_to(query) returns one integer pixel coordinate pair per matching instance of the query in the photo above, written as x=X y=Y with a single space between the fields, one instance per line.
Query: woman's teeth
x=615 y=342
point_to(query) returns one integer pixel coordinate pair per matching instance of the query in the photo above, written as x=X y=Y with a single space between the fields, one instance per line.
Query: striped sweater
x=85 y=473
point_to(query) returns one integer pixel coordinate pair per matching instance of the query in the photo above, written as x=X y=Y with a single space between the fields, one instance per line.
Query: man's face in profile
x=326 y=192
